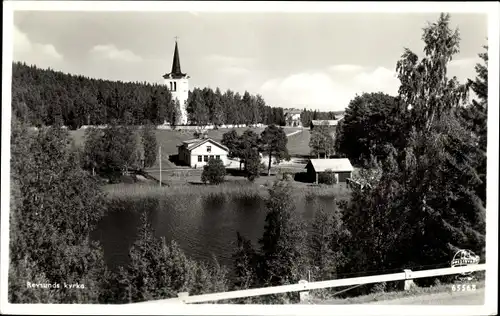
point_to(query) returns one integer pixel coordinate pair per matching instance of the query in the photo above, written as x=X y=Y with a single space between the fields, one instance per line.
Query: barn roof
x=336 y=165
x=191 y=144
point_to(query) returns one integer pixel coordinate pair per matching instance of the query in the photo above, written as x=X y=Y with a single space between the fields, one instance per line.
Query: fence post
x=409 y=284
x=304 y=295
x=182 y=296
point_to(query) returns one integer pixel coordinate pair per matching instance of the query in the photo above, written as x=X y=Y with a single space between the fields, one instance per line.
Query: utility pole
x=160 y=163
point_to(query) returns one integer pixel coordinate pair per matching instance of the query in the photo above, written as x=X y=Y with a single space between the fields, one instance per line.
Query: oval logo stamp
x=463 y=258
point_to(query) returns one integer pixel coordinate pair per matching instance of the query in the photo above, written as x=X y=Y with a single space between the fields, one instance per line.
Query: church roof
x=176 y=66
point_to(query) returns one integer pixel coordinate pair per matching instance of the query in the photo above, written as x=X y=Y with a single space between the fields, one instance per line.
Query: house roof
x=336 y=165
x=191 y=144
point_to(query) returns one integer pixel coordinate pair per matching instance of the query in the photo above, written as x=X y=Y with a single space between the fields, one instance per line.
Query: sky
x=302 y=60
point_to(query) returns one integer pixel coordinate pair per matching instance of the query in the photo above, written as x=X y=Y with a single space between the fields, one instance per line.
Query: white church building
x=178 y=84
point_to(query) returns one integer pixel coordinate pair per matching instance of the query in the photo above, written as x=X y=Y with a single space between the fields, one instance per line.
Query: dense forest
x=48 y=97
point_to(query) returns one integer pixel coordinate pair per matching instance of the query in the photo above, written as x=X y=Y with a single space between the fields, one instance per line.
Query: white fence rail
x=301 y=287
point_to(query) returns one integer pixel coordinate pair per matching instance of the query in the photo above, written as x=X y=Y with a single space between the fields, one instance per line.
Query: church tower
x=178 y=84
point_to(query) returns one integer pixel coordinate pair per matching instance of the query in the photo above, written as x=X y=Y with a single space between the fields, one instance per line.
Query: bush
x=213 y=172
x=328 y=177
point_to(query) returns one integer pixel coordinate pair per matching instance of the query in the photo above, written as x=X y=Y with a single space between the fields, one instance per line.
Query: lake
x=202 y=226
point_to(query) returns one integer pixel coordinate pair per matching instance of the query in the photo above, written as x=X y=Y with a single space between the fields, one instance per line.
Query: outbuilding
x=341 y=167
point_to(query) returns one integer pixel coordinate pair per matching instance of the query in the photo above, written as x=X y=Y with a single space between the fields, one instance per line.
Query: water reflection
x=201 y=225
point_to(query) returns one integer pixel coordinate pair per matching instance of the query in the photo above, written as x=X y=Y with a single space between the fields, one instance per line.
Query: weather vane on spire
x=176 y=38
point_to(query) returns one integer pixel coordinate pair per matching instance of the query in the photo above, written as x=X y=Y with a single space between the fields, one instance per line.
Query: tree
x=475 y=117
x=149 y=145
x=249 y=145
x=321 y=141
x=158 y=270
x=274 y=143
x=253 y=165
x=371 y=121
x=93 y=155
x=48 y=243
x=283 y=244
x=427 y=187
x=197 y=109
x=245 y=263
x=217 y=114
x=261 y=106
x=424 y=85
x=326 y=243
x=213 y=172
x=111 y=151
x=232 y=140
x=174 y=114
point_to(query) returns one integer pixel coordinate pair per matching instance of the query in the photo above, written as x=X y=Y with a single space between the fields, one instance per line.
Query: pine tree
x=283 y=244
x=149 y=145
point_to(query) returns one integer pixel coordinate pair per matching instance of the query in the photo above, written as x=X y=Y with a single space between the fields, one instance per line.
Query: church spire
x=176 y=65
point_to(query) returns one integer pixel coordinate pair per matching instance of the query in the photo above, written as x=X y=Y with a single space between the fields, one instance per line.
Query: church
x=178 y=84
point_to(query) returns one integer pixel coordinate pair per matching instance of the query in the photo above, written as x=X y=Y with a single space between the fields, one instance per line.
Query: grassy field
x=232 y=185
x=298 y=144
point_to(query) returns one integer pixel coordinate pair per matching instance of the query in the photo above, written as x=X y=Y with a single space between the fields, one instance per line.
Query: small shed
x=341 y=167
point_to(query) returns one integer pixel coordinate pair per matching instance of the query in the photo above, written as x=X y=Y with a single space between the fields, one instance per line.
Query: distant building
x=178 y=84
x=197 y=152
x=331 y=124
x=340 y=166
x=292 y=117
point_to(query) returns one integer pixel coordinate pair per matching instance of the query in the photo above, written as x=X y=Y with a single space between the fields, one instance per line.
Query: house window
x=209 y=149
x=199 y=159
x=217 y=157
x=205 y=158
x=211 y=157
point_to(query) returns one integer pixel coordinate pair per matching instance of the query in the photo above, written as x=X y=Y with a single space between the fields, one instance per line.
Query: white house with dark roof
x=292 y=117
x=197 y=152
x=341 y=167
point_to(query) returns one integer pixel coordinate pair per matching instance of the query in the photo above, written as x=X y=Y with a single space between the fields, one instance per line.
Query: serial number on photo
x=463 y=287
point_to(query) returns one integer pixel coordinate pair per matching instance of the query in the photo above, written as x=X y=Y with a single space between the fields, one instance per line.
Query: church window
x=175 y=86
